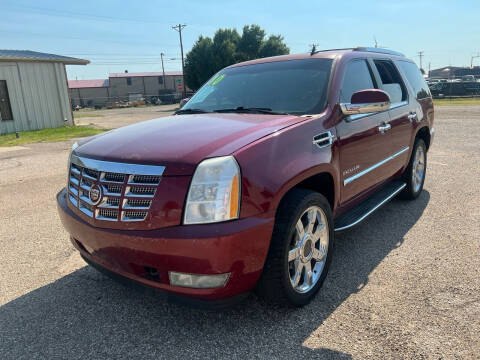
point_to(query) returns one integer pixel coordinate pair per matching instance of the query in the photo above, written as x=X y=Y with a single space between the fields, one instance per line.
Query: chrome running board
x=359 y=213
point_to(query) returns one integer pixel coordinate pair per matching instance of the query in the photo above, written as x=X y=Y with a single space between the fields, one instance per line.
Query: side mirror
x=183 y=102
x=366 y=101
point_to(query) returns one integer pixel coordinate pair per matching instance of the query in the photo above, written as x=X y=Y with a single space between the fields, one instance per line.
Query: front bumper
x=146 y=256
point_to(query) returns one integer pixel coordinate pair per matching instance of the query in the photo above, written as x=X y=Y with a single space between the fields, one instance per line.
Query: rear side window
x=357 y=77
x=415 y=79
x=391 y=81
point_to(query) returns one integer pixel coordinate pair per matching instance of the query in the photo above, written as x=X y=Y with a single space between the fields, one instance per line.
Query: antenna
x=314 y=49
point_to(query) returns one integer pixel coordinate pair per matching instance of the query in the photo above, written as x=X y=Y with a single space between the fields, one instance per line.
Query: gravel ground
x=113 y=118
x=404 y=284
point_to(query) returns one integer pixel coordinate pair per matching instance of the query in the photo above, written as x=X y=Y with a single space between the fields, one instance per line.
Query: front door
x=363 y=144
x=5 y=108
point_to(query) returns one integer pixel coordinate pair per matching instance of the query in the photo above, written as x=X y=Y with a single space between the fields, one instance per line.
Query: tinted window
x=391 y=81
x=357 y=77
x=295 y=86
x=415 y=78
x=129 y=81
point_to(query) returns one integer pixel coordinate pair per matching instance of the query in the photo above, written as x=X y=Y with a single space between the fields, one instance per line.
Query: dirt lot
x=404 y=284
x=113 y=118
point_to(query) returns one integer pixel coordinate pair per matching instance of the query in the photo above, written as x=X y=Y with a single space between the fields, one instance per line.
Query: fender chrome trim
x=373 y=167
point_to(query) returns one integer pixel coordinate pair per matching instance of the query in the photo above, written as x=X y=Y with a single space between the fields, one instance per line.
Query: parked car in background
x=457 y=88
x=245 y=187
x=183 y=102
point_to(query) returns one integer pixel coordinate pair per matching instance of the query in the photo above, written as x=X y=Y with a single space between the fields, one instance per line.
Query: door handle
x=412 y=116
x=383 y=128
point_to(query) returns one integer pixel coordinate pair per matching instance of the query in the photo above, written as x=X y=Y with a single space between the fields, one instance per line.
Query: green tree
x=249 y=45
x=273 y=46
x=199 y=63
x=208 y=56
x=225 y=42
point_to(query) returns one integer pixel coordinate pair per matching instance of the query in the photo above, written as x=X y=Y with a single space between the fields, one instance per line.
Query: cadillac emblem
x=95 y=194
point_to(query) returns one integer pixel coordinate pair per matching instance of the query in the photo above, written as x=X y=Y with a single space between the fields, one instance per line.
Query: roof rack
x=378 y=50
x=362 y=48
x=324 y=50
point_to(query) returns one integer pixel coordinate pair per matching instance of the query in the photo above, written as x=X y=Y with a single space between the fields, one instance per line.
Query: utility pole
x=163 y=71
x=314 y=48
x=420 y=55
x=179 y=28
x=471 y=60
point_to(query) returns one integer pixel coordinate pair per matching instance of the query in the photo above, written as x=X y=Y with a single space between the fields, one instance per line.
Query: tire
x=289 y=252
x=411 y=175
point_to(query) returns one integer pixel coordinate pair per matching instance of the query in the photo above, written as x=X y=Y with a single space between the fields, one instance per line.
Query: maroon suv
x=246 y=185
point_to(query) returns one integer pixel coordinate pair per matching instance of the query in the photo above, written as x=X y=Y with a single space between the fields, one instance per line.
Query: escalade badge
x=95 y=194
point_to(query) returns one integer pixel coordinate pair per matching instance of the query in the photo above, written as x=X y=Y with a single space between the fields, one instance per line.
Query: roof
x=28 y=55
x=327 y=54
x=140 y=74
x=94 y=83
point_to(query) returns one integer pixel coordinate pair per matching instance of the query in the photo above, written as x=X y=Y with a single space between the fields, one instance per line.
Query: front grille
x=127 y=190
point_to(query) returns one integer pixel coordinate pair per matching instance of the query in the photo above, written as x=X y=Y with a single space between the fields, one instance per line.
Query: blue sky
x=117 y=35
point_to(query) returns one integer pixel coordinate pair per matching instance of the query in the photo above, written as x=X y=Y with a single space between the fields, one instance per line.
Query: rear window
x=415 y=79
x=392 y=82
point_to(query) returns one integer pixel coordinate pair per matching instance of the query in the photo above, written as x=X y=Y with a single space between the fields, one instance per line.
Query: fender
x=276 y=163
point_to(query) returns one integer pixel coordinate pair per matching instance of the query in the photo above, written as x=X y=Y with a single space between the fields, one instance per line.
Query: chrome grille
x=127 y=189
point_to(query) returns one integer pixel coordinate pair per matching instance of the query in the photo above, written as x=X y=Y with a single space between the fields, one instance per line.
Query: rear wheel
x=415 y=173
x=300 y=250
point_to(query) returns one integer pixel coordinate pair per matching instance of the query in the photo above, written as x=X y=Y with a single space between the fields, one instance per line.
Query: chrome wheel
x=418 y=170
x=308 y=249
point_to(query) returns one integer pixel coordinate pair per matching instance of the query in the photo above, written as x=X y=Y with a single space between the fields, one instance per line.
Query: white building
x=34 y=90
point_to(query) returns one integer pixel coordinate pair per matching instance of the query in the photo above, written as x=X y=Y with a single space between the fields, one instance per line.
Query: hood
x=180 y=142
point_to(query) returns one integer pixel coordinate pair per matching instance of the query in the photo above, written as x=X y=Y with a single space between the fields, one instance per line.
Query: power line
x=71 y=14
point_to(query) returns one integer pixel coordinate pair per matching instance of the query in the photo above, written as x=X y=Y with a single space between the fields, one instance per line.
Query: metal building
x=34 y=91
x=89 y=93
x=126 y=86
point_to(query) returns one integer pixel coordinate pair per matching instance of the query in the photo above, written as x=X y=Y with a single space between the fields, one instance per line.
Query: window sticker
x=217 y=80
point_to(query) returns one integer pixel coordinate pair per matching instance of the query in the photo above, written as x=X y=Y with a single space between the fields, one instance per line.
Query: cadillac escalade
x=245 y=186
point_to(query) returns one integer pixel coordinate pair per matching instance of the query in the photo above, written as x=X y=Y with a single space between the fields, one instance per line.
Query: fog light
x=198 y=281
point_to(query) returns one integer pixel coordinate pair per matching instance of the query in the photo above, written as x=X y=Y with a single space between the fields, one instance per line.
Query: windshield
x=295 y=87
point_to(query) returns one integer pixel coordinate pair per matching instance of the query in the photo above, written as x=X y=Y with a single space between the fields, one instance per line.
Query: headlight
x=74 y=146
x=214 y=194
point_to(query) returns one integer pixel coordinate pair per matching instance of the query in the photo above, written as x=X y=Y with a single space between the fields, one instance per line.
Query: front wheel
x=300 y=250
x=415 y=173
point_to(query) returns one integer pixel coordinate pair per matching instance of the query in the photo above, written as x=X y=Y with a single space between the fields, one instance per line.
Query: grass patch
x=78 y=115
x=456 y=102
x=50 y=135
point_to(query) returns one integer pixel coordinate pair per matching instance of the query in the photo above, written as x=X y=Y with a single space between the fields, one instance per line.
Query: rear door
x=400 y=113
x=363 y=147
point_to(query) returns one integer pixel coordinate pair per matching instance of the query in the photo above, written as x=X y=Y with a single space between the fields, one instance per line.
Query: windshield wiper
x=191 y=111
x=241 y=109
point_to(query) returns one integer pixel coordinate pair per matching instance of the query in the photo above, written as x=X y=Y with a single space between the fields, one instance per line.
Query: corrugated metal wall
x=38 y=96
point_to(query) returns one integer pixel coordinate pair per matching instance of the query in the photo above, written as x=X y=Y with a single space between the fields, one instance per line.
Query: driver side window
x=357 y=77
